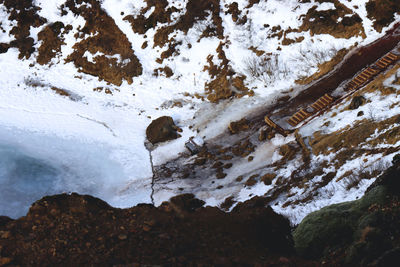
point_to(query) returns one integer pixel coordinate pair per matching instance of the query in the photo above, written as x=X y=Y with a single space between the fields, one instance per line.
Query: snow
x=94 y=143
x=325 y=6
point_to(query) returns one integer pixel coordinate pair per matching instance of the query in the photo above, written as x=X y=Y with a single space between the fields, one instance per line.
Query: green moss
x=336 y=225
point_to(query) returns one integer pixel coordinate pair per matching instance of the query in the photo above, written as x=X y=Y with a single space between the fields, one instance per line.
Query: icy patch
x=33 y=165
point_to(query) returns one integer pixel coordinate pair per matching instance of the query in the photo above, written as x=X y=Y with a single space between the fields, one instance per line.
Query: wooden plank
x=318 y=105
x=298 y=117
x=370 y=71
x=315 y=107
x=380 y=65
x=292 y=123
x=328 y=97
x=392 y=56
x=363 y=75
x=295 y=119
x=386 y=60
x=306 y=114
x=323 y=102
x=351 y=83
x=359 y=80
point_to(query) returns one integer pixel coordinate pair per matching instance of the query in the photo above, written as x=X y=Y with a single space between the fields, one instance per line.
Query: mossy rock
x=336 y=225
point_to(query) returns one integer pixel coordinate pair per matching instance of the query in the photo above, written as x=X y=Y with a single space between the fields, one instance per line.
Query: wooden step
x=359 y=80
x=304 y=113
x=298 y=117
x=386 y=60
x=316 y=107
x=380 y=65
x=351 y=83
x=370 y=71
x=364 y=76
x=323 y=101
x=328 y=97
x=392 y=56
x=292 y=123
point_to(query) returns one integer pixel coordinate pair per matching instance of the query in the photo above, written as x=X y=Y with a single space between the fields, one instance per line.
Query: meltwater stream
x=33 y=165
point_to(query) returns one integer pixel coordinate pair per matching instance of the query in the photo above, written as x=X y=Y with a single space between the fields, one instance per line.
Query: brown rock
x=221 y=175
x=238 y=126
x=4 y=261
x=267 y=178
x=122 y=237
x=252 y=180
x=161 y=130
x=356 y=102
x=5 y=234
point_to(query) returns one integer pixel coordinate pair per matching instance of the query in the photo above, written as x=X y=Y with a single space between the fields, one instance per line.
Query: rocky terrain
x=82 y=230
x=138 y=130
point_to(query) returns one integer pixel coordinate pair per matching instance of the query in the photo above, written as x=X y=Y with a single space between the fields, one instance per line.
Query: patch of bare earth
x=24 y=12
x=340 y=22
x=52 y=40
x=117 y=61
x=225 y=82
x=382 y=12
x=325 y=67
x=161 y=14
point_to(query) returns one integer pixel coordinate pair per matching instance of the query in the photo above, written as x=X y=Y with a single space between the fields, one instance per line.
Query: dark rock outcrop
x=75 y=230
x=162 y=129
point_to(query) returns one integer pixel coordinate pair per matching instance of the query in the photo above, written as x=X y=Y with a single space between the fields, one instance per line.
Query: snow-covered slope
x=81 y=80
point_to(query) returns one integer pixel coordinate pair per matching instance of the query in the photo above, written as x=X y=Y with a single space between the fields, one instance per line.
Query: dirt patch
x=382 y=12
x=349 y=138
x=112 y=63
x=226 y=83
x=325 y=67
x=161 y=14
x=52 y=40
x=333 y=22
x=166 y=71
x=195 y=11
x=25 y=13
x=237 y=17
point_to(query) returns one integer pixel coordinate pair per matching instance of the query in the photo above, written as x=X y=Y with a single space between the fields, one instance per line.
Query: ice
x=34 y=165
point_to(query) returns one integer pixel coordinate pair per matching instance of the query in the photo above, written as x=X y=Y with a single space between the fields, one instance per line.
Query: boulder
x=162 y=129
x=356 y=102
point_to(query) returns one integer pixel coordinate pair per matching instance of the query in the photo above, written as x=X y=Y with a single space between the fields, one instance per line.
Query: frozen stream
x=34 y=165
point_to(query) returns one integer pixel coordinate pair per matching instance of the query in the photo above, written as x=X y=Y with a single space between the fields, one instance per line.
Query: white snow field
x=93 y=143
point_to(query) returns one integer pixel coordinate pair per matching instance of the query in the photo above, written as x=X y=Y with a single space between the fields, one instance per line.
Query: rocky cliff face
x=79 y=230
